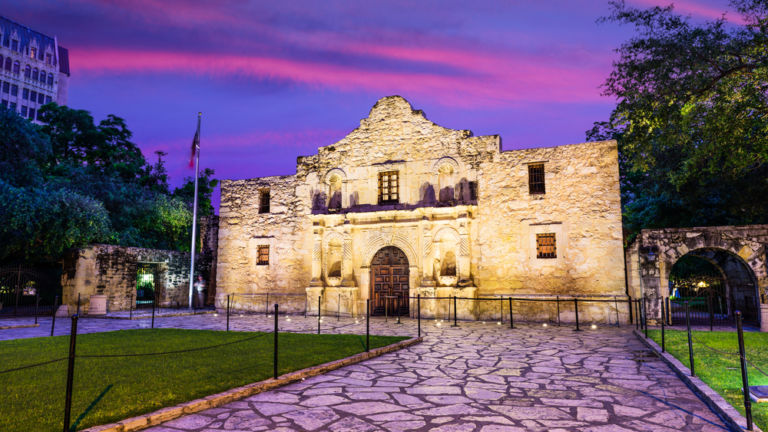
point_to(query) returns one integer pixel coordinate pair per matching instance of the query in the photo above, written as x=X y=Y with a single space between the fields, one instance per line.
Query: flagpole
x=194 y=213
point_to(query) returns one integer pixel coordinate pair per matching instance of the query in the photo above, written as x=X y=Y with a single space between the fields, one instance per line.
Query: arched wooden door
x=389 y=278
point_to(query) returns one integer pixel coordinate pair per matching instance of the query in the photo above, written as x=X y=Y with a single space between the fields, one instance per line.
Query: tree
x=205 y=186
x=691 y=118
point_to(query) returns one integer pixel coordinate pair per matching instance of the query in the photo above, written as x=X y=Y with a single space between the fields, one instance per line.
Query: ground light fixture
x=544 y=325
x=593 y=326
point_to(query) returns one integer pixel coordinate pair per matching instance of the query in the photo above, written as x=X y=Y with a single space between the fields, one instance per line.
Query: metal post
x=338 y=309
x=418 y=311
x=711 y=312
x=130 y=308
x=319 y=299
x=616 y=305
x=386 y=309
x=78 y=304
x=154 y=301
x=645 y=316
x=690 y=342
x=70 y=373
x=455 y=323
x=193 y=246
x=37 y=304
x=511 y=318
x=228 y=312
x=501 y=309
x=669 y=311
x=663 y=319
x=367 y=325
x=266 y=305
x=637 y=314
x=744 y=375
x=557 y=300
x=399 y=307
x=629 y=307
x=18 y=290
x=576 y=308
x=274 y=360
x=53 y=316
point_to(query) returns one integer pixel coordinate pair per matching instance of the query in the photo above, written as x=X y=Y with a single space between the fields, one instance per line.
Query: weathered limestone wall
x=111 y=270
x=285 y=229
x=464 y=219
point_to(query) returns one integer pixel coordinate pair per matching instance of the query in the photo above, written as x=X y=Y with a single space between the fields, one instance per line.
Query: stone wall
x=111 y=270
x=464 y=219
x=652 y=254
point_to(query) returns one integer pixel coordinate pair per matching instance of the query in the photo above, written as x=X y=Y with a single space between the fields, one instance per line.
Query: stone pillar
x=763 y=317
x=317 y=263
x=463 y=259
x=346 y=260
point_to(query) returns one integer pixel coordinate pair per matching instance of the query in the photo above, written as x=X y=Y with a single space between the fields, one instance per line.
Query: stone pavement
x=477 y=377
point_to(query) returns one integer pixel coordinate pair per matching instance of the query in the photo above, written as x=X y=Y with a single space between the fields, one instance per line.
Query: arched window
x=27 y=71
x=35 y=73
x=334 y=192
x=50 y=79
x=16 y=67
x=42 y=77
x=8 y=63
x=445 y=183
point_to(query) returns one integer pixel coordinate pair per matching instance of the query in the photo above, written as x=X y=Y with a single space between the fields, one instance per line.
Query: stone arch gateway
x=651 y=256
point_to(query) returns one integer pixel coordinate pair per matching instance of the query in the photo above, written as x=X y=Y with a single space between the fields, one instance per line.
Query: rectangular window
x=48 y=99
x=32 y=113
x=32 y=52
x=48 y=58
x=40 y=98
x=6 y=87
x=5 y=103
x=25 y=94
x=536 y=179
x=545 y=246
x=15 y=45
x=14 y=90
x=264 y=201
x=263 y=255
x=33 y=96
x=388 y=187
x=23 y=110
x=6 y=42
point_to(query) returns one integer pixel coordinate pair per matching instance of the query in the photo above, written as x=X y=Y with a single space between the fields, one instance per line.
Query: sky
x=277 y=79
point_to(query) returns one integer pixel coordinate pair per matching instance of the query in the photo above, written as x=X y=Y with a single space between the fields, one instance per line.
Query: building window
x=264 y=201
x=32 y=113
x=40 y=98
x=546 y=246
x=23 y=110
x=536 y=179
x=388 y=187
x=27 y=71
x=32 y=52
x=48 y=99
x=6 y=87
x=13 y=106
x=48 y=59
x=42 y=77
x=50 y=79
x=14 y=45
x=33 y=96
x=8 y=63
x=14 y=90
x=4 y=103
x=16 y=67
x=263 y=255
x=6 y=42
x=25 y=94
x=35 y=73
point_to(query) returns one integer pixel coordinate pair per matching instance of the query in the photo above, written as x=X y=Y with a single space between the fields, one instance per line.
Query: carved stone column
x=317 y=262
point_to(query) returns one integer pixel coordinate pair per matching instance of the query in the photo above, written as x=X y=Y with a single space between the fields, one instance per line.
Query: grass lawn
x=111 y=389
x=722 y=372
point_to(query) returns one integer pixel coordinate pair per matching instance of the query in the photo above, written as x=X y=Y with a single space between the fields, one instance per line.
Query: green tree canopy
x=691 y=118
x=71 y=182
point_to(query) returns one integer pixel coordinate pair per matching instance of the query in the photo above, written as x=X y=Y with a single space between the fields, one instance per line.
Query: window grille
x=536 y=179
x=388 y=187
x=263 y=255
x=546 y=246
x=264 y=202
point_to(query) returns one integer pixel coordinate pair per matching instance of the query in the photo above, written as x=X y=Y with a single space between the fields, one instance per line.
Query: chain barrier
x=173 y=352
x=32 y=365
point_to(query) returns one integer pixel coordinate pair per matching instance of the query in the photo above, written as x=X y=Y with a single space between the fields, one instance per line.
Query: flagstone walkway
x=477 y=377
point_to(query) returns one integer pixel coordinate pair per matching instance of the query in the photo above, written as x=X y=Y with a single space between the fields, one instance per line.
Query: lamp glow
x=593 y=326
x=544 y=325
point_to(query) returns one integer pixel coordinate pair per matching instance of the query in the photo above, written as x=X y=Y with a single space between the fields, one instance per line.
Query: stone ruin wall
x=242 y=229
x=111 y=270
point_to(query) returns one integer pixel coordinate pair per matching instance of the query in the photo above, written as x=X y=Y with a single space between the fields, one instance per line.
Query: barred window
x=536 y=179
x=546 y=246
x=264 y=201
x=263 y=255
x=388 y=187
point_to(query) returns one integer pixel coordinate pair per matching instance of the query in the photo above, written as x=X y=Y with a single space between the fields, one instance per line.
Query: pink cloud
x=488 y=80
x=695 y=9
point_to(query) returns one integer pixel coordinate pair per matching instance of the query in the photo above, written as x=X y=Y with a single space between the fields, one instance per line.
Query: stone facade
x=463 y=216
x=112 y=271
x=650 y=257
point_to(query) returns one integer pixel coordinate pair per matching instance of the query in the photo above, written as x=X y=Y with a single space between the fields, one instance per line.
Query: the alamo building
x=402 y=207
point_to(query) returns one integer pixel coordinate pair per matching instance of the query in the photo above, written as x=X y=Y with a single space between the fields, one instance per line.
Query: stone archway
x=651 y=256
x=390 y=287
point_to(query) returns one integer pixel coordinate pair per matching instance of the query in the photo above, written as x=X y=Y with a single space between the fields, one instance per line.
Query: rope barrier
x=33 y=365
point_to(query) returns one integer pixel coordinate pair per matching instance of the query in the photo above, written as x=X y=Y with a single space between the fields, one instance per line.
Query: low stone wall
x=112 y=271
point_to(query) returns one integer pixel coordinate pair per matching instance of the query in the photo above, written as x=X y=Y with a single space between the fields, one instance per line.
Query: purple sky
x=277 y=79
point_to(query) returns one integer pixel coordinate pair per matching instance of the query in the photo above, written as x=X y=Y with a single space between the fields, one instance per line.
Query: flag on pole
x=195 y=147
